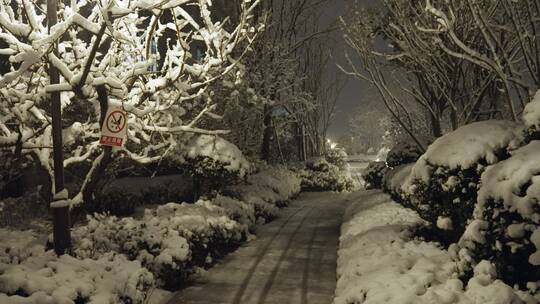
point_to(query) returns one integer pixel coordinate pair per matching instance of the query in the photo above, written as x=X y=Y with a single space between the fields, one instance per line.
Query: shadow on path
x=292 y=261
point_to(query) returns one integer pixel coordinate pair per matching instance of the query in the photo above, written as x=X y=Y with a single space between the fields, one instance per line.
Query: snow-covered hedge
x=403 y=153
x=379 y=262
x=213 y=160
x=29 y=274
x=321 y=175
x=271 y=188
x=442 y=186
x=237 y=210
x=393 y=181
x=506 y=224
x=169 y=240
x=48 y=278
x=337 y=157
x=374 y=174
x=121 y=197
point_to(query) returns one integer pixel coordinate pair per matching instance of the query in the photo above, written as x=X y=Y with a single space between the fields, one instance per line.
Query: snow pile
x=506 y=219
x=212 y=153
x=51 y=279
x=379 y=263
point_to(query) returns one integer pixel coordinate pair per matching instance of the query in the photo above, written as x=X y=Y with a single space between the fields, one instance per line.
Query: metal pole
x=61 y=233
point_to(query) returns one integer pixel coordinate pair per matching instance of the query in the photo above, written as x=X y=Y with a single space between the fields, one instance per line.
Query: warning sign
x=114 y=129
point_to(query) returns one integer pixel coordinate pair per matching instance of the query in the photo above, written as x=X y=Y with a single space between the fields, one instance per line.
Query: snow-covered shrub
x=48 y=278
x=17 y=246
x=337 y=157
x=403 y=153
x=213 y=160
x=263 y=200
x=115 y=202
x=160 y=249
x=17 y=212
x=269 y=189
x=170 y=240
x=283 y=181
x=443 y=183
x=374 y=174
x=393 y=180
x=237 y=210
x=531 y=118
x=122 y=196
x=208 y=230
x=506 y=225
x=320 y=175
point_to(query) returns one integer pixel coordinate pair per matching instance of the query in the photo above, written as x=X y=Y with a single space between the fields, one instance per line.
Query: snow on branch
x=156 y=59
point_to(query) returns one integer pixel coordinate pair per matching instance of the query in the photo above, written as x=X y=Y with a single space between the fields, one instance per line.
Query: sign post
x=61 y=233
x=114 y=129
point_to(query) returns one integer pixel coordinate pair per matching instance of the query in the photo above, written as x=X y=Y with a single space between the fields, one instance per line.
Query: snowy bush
x=403 y=153
x=122 y=196
x=213 y=160
x=393 y=180
x=506 y=224
x=208 y=230
x=51 y=279
x=320 y=175
x=380 y=262
x=170 y=240
x=17 y=246
x=337 y=157
x=160 y=249
x=281 y=180
x=443 y=183
x=263 y=200
x=268 y=190
x=237 y=210
x=374 y=174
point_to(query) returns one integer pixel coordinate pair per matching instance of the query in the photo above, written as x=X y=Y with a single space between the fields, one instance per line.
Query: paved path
x=292 y=261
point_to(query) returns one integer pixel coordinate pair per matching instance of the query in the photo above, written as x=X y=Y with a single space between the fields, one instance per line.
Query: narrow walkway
x=292 y=261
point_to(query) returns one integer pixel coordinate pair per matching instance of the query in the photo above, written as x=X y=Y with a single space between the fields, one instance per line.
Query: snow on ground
x=379 y=262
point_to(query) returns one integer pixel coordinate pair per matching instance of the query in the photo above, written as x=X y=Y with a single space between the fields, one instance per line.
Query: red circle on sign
x=116 y=122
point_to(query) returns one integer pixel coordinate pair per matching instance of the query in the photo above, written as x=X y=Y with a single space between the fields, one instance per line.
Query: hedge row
x=479 y=189
x=120 y=260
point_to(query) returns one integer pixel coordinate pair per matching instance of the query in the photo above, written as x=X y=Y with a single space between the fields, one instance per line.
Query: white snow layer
x=217 y=149
x=503 y=182
x=465 y=146
x=531 y=113
x=379 y=263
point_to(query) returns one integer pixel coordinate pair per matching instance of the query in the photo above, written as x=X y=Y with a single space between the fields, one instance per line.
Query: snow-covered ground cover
x=379 y=262
x=124 y=260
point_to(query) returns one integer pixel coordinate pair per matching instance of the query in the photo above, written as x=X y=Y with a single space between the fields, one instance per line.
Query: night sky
x=356 y=92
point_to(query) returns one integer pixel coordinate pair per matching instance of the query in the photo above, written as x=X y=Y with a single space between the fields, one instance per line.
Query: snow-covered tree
x=155 y=59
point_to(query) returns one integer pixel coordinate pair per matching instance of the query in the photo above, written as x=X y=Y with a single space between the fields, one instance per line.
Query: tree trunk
x=267 y=134
x=436 y=129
